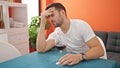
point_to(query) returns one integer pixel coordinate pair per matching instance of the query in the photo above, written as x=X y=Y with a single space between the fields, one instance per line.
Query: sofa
x=112 y=44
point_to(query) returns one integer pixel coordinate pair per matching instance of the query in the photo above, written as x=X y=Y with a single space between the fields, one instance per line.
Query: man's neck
x=65 y=26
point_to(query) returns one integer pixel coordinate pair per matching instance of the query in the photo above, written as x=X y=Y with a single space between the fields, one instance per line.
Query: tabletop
x=49 y=59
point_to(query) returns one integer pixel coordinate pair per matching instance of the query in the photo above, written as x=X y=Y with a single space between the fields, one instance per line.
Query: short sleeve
x=87 y=32
x=54 y=36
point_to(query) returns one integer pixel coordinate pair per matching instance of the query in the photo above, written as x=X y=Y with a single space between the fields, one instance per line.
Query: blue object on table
x=49 y=59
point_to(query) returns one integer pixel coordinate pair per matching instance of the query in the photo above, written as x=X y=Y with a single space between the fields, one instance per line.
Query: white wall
x=3 y=37
x=33 y=8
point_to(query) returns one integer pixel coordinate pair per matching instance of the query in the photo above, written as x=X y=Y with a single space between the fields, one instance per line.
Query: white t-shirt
x=75 y=38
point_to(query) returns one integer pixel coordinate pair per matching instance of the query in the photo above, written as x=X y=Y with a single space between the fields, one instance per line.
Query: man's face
x=56 y=17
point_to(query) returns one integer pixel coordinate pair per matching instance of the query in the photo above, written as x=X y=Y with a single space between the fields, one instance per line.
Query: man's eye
x=52 y=15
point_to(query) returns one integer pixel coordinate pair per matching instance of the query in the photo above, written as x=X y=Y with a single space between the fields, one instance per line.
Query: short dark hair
x=58 y=6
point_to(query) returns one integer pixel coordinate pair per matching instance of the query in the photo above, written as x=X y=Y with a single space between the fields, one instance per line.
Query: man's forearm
x=41 y=41
x=94 y=53
x=96 y=50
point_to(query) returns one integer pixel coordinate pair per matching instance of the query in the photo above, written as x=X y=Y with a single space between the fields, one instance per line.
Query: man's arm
x=95 y=51
x=41 y=44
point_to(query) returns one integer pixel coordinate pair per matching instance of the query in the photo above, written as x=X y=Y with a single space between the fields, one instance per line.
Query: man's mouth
x=53 y=22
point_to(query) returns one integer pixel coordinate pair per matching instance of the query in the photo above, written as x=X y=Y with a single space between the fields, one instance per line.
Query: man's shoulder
x=57 y=30
x=78 y=22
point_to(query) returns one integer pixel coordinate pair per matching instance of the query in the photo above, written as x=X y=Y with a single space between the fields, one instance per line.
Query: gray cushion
x=113 y=42
x=114 y=56
x=103 y=35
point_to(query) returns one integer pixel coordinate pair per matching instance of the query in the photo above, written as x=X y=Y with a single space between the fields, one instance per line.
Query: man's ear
x=63 y=12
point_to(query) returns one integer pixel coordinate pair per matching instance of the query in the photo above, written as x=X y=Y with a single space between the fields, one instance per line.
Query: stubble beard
x=59 y=23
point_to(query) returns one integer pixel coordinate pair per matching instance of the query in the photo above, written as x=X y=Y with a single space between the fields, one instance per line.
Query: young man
x=76 y=35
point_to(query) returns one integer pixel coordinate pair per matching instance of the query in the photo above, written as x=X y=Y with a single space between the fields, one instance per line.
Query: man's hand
x=46 y=15
x=70 y=59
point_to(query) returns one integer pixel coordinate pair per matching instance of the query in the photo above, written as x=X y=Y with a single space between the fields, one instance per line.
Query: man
x=76 y=35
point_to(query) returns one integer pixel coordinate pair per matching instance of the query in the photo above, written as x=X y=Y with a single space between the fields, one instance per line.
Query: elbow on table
x=102 y=53
x=40 y=49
